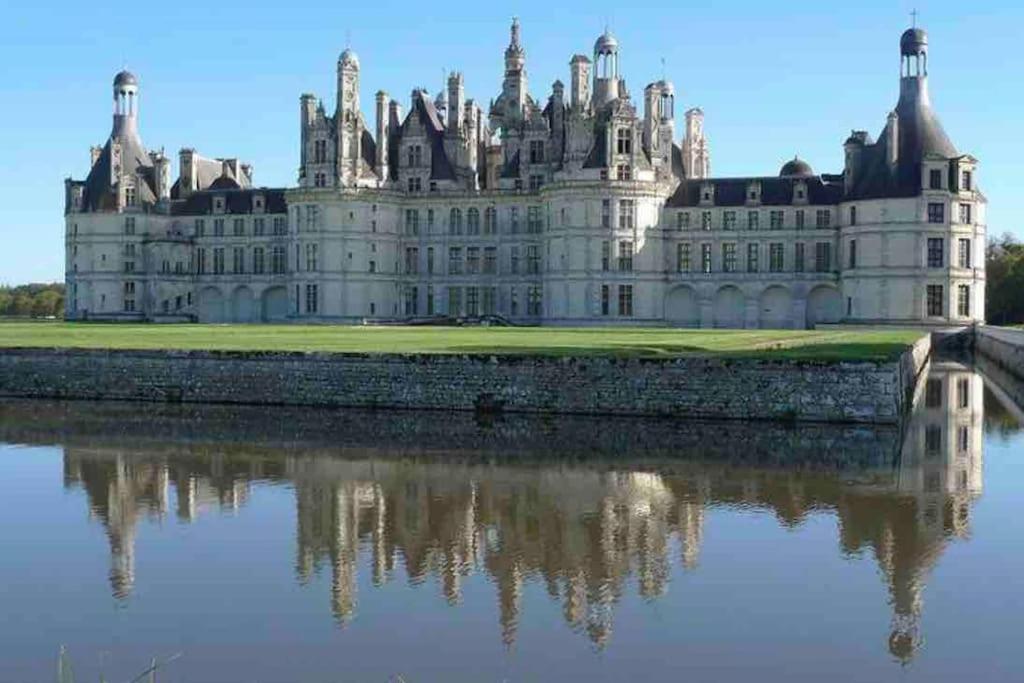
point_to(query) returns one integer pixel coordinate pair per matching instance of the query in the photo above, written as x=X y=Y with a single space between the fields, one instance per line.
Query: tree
x=1004 y=266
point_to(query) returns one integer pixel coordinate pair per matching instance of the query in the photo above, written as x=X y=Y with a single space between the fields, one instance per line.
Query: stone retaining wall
x=1003 y=346
x=692 y=387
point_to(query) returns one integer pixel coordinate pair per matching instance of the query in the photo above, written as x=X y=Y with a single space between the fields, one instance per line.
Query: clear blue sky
x=774 y=79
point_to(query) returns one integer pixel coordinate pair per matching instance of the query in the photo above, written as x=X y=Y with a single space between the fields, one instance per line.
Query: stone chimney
x=579 y=87
x=382 y=134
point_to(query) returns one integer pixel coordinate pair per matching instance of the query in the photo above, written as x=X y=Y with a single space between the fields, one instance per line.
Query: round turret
x=606 y=44
x=914 y=41
x=796 y=168
x=349 y=58
x=125 y=79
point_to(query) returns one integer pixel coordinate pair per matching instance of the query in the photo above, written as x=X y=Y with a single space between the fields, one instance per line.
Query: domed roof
x=913 y=41
x=796 y=167
x=125 y=78
x=606 y=44
x=349 y=58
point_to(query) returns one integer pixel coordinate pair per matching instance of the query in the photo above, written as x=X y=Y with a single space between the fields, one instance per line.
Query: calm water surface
x=275 y=545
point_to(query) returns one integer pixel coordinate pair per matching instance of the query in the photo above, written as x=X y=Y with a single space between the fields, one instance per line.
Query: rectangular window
x=705 y=220
x=823 y=218
x=473 y=221
x=412 y=300
x=455 y=301
x=238 y=227
x=490 y=300
x=624 y=141
x=965 y=214
x=936 y=255
x=776 y=220
x=513 y=301
x=129 y=297
x=853 y=254
x=776 y=257
x=705 y=258
x=259 y=226
x=606 y=255
x=536 y=151
x=933 y=393
x=430 y=299
x=823 y=257
x=218 y=227
x=683 y=257
x=513 y=220
x=280 y=225
x=238 y=260
x=218 y=261
x=513 y=260
x=490 y=220
x=936 y=212
x=799 y=219
x=430 y=260
x=200 y=227
x=966 y=183
x=490 y=260
x=798 y=257
x=934 y=179
x=753 y=220
x=533 y=259
x=753 y=257
x=728 y=220
x=472 y=260
x=729 y=257
x=200 y=261
x=129 y=225
x=311 y=258
x=412 y=222
x=963 y=301
x=277 y=260
x=935 y=300
x=964 y=257
x=623 y=172
x=536 y=182
x=606 y=213
x=534 y=220
x=258 y=260
x=472 y=301
x=625 y=256
x=683 y=220
x=430 y=221
x=533 y=300
x=311 y=298
x=626 y=216
x=412 y=260
x=455 y=260
x=625 y=300
x=605 y=296
x=963 y=393
x=963 y=439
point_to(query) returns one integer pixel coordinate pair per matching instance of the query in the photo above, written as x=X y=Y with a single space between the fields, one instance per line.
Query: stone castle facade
x=582 y=209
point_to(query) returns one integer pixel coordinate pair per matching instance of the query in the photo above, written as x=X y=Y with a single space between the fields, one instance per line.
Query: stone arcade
x=580 y=209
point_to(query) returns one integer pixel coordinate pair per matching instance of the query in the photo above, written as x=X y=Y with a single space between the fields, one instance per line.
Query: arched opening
x=776 y=308
x=824 y=305
x=243 y=306
x=730 y=305
x=682 y=309
x=274 y=304
x=211 y=305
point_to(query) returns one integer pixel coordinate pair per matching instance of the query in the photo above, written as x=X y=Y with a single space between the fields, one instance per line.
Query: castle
x=582 y=209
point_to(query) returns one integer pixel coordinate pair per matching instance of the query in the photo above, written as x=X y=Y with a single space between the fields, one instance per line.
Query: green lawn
x=629 y=342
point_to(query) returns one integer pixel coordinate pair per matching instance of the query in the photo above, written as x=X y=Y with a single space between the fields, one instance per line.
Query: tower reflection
x=589 y=531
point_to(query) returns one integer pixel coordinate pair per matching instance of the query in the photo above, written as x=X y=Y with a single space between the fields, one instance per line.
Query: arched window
x=455 y=222
x=473 y=221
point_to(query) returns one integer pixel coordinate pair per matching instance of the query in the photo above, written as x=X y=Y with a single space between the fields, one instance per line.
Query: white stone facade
x=583 y=211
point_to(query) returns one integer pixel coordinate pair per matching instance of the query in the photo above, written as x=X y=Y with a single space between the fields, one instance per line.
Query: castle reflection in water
x=588 y=530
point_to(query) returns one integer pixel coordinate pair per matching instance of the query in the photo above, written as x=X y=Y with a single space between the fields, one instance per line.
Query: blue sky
x=774 y=80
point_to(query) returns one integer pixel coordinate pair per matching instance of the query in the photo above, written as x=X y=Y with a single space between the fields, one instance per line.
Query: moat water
x=270 y=544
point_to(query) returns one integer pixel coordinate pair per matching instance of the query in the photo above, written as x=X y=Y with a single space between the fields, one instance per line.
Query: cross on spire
x=913 y=18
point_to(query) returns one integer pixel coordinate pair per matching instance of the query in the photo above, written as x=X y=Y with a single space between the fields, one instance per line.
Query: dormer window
x=218 y=205
x=415 y=154
x=966 y=181
x=258 y=203
x=935 y=179
x=754 y=192
x=624 y=141
x=623 y=172
x=129 y=196
x=415 y=184
x=536 y=151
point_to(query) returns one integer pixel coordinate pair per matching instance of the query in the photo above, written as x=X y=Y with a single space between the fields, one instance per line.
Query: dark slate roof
x=678 y=168
x=369 y=148
x=598 y=156
x=236 y=202
x=919 y=134
x=225 y=182
x=774 y=191
x=796 y=167
x=440 y=166
x=99 y=193
x=913 y=41
x=125 y=78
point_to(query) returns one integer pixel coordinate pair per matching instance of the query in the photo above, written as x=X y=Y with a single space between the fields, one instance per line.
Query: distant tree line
x=39 y=300
x=1004 y=262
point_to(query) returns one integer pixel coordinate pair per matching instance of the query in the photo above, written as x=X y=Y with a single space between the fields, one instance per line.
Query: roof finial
x=662 y=68
x=348 y=38
x=913 y=18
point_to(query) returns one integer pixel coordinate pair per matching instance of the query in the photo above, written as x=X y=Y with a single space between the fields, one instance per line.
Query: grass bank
x=625 y=342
